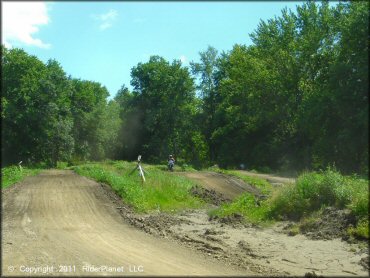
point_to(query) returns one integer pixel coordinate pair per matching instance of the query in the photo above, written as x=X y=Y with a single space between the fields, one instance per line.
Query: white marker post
x=141 y=172
x=20 y=166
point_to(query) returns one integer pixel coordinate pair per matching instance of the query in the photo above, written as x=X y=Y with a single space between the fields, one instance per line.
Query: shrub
x=314 y=190
x=287 y=203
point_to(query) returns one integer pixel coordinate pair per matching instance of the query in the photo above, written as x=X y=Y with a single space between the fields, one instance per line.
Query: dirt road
x=58 y=223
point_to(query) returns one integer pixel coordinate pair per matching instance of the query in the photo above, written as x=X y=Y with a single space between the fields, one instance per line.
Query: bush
x=287 y=203
x=314 y=190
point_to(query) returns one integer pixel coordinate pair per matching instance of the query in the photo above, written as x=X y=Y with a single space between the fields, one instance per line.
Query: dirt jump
x=229 y=187
x=78 y=227
x=58 y=223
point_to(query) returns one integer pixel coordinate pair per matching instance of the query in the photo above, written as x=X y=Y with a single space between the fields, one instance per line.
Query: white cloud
x=105 y=25
x=106 y=20
x=21 y=21
x=183 y=58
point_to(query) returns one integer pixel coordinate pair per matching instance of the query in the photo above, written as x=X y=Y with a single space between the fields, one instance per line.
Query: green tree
x=55 y=121
x=207 y=72
x=36 y=122
x=89 y=112
x=163 y=102
x=298 y=97
x=128 y=145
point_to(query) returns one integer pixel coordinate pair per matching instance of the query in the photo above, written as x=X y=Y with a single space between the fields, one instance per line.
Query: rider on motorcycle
x=171 y=162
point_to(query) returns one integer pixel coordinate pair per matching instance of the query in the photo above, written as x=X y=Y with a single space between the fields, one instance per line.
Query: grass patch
x=61 y=165
x=245 y=205
x=14 y=174
x=161 y=191
x=361 y=230
x=294 y=230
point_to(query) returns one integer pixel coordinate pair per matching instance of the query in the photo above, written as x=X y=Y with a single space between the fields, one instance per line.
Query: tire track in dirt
x=60 y=218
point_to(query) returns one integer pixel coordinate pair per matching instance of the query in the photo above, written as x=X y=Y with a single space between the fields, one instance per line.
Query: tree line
x=296 y=98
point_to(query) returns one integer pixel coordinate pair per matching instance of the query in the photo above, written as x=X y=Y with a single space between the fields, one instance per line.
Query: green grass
x=162 y=190
x=246 y=203
x=13 y=174
x=316 y=189
x=304 y=199
x=62 y=165
x=246 y=206
x=361 y=230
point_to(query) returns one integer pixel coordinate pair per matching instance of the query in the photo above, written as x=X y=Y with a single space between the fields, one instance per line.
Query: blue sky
x=102 y=41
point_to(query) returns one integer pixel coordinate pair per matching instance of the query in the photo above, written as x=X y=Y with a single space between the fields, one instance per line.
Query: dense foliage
x=296 y=98
x=49 y=117
x=159 y=115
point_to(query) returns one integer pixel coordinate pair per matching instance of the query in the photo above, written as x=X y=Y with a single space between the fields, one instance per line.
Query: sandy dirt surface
x=268 y=251
x=58 y=223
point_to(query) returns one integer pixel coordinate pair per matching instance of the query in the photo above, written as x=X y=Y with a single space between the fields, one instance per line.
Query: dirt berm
x=59 y=223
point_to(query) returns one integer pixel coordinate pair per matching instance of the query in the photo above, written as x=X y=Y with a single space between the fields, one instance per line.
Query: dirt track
x=228 y=186
x=61 y=219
